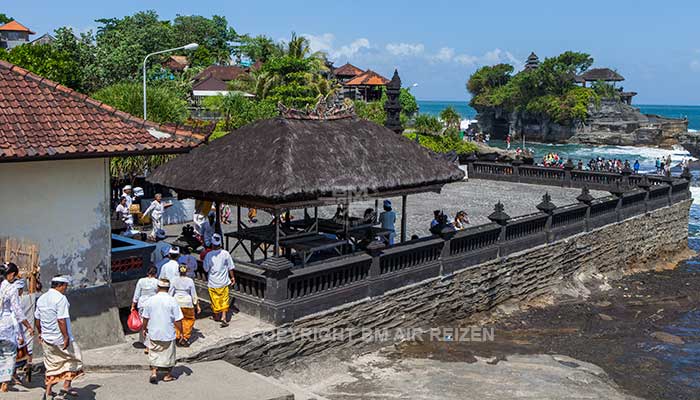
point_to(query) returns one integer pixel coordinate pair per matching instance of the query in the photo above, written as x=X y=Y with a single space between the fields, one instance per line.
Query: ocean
x=462 y=107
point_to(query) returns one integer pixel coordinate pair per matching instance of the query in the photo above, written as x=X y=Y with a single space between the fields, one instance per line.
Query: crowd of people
x=52 y=330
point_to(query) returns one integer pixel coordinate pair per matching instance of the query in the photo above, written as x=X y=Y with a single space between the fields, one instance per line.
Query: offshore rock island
x=562 y=100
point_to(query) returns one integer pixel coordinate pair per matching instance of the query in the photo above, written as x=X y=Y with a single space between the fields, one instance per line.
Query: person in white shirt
x=160 y=318
x=145 y=289
x=218 y=264
x=188 y=259
x=183 y=290
x=62 y=357
x=162 y=248
x=11 y=314
x=171 y=269
x=126 y=194
x=156 y=211
x=124 y=214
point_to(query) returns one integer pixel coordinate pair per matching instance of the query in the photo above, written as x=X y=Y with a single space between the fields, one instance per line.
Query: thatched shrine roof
x=601 y=74
x=293 y=162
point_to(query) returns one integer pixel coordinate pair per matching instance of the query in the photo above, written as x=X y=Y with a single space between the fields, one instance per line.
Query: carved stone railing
x=567 y=176
x=277 y=292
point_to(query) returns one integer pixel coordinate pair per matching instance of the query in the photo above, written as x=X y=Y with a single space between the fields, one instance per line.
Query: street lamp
x=191 y=46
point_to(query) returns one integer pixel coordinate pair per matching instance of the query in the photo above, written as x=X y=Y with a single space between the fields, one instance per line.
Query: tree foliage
x=450 y=117
x=426 y=124
x=47 y=61
x=445 y=144
x=548 y=90
x=5 y=19
x=164 y=105
x=237 y=111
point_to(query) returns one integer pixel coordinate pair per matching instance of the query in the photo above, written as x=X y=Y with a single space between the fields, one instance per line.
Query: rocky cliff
x=609 y=123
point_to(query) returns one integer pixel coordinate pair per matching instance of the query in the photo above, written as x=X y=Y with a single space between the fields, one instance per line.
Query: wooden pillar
x=316 y=217
x=376 y=210
x=403 y=218
x=217 y=224
x=277 y=232
x=238 y=220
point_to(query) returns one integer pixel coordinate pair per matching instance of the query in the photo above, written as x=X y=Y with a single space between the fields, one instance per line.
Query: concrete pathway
x=210 y=380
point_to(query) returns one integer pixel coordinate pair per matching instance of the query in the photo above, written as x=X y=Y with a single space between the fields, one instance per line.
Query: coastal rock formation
x=612 y=122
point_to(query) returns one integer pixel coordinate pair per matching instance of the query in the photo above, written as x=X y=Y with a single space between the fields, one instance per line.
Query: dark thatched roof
x=285 y=161
x=601 y=74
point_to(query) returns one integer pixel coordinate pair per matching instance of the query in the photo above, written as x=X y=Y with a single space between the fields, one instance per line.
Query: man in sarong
x=62 y=358
x=160 y=317
x=218 y=264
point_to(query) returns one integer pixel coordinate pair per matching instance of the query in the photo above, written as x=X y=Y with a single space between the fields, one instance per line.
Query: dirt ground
x=642 y=330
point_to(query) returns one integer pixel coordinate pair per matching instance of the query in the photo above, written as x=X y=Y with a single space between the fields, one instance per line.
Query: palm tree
x=258 y=83
x=298 y=46
x=450 y=117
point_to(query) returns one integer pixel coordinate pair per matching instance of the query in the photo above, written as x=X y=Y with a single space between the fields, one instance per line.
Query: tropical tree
x=258 y=48
x=164 y=106
x=427 y=125
x=213 y=35
x=450 y=117
x=238 y=111
x=45 y=60
x=5 y=19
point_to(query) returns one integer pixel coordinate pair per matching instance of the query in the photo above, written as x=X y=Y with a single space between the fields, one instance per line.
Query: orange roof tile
x=15 y=26
x=40 y=119
x=368 y=78
x=347 y=70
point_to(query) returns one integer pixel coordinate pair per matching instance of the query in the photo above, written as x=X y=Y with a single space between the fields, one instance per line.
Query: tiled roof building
x=40 y=119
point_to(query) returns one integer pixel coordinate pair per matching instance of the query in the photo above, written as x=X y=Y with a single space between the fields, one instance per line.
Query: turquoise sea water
x=462 y=107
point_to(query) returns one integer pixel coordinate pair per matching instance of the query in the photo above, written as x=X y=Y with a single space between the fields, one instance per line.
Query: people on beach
x=658 y=165
x=156 y=211
x=170 y=270
x=62 y=357
x=388 y=221
x=636 y=166
x=183 y=290
x=219 y=266
x=145 y=289
x=11 y=315
x=161 y=316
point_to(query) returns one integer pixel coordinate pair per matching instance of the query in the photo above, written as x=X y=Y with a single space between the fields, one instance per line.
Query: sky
x=437 y=44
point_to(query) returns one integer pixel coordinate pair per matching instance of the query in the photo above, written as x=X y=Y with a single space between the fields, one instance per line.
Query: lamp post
x=191 y=46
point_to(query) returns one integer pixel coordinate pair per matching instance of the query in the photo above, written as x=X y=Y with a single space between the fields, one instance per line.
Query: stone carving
x=327 y=108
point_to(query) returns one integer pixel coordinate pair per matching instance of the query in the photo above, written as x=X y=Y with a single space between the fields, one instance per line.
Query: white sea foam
x=677 y=153
x=695 y=192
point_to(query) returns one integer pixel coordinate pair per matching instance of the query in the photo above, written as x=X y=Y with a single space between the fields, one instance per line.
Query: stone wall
x=637 y=243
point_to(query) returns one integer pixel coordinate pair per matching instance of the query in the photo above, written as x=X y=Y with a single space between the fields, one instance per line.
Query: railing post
x=501 y=218
x=547 y=207
x=645 y=185
x=618 y=191
x=277 y=271
x=470 y=164
x=586 y=198
x=568 y=167
x=516 y=167
x=374 y=249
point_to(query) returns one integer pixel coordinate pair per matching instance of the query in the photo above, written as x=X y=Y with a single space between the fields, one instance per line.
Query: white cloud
x=494 y=56
x=445 y=54
x=325 y=43
x=405 y=49
x=695 y=65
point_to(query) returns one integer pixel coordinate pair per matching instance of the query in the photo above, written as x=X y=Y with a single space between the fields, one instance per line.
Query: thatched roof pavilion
x=599 y=74
x=305 y=159
x=284 y=163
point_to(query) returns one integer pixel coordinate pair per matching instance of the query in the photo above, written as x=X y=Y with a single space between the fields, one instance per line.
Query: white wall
x=63 y=207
